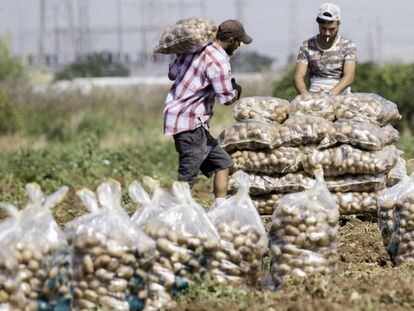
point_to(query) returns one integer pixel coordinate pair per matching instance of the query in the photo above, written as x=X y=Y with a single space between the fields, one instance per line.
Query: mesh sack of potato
x=356 y=183
x=261 y=184
x=278 y=160
x=349 y=160
x=11 y=293
x=364 y=135
x=356 y=203
x=265 y=204
x=185 y=239
x=367 y=106
x=317 y=104
x=111 y=256
x=41 y=254
x=397 y=173
x=398 y=238
x=253 y=135
x=262 y=107
x=162 y=279
x=186 y=36
x=243 y=240
x=303 y=233
x=309 y=129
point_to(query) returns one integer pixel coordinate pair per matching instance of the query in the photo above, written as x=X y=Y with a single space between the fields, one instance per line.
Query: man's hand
x=236 y=87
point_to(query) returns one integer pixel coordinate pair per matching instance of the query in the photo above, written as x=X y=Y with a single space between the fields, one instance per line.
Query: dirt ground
x=365 y=280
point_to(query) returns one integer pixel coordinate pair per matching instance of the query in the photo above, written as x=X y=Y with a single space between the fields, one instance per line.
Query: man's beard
x=231 y=49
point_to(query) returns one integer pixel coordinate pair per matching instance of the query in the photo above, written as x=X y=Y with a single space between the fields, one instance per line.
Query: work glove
x=236 y=87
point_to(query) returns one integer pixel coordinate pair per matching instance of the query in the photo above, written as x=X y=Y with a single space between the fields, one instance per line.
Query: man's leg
x=221 y=180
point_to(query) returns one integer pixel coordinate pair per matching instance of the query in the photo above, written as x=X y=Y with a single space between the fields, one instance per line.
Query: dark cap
x=233 y=28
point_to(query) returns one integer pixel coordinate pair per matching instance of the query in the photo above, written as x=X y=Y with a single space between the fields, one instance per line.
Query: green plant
x=250 y=62
x=10 y=118
x=11 y=67
x=93 y=65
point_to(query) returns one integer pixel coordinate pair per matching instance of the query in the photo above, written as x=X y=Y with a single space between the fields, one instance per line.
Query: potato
x=366 y=106
x=309 y=129
x=254 y=135
x=266 y=204
x=303 y=235
x=317 y=104
x=270 y=108
x=239 y=254
x=348 y=160
x=262 y=184
x=180 y=258
x=110 y=273
x=356 y=183
x=186 y=36
x=279 y=160
x=352 y=203
x=364 y=135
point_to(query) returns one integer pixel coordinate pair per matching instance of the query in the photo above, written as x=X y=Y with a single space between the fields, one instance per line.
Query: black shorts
x=199 y=151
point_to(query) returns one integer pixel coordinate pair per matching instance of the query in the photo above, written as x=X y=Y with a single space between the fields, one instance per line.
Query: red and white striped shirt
x=198 y=79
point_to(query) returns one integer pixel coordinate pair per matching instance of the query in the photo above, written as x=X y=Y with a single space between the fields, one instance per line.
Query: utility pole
x=240 y=6
x=71 y=23
x=84 y=39
x=42 y=28
x=119 y=28
x=56 y=32
x=370 y=42
x=293 y=26
x=379 y=41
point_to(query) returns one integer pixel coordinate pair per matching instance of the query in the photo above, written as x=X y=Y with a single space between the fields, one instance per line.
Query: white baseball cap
x=329 y=12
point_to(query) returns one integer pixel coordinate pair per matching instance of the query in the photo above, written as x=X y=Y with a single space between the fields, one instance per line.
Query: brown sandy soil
x=364 y=280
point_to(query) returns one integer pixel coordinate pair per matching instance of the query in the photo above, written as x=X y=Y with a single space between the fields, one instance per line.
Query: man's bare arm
x=299 y=77
x=347 y=79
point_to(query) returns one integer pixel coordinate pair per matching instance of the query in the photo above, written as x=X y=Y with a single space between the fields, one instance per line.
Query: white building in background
x=54 y=32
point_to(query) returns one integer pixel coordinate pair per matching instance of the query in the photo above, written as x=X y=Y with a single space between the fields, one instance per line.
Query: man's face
x=328 y=31
x=233 y=45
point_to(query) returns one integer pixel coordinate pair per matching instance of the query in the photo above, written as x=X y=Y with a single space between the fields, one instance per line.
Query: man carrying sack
x=199 y=79
x=330 y=57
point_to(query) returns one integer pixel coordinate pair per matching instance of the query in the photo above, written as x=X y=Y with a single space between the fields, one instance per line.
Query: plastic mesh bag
x=110 y=255
x=348 y=160
x=254 y=135
x=261 y=107
x=356 y=183
x=317 y=104
x=186 y=36
x=12 y=296
x=368 y=106
x=397 y=173
x=303 y=233
x=356 y=203
x=365 y=135
x=308 y=129
x=265 y=204
x=162 y=277
x=278 y=160
x=264 y=184
x=185 y=239
x=41 y=252
x=243 y=238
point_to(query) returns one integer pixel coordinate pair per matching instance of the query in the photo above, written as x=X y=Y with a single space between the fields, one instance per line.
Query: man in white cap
x=331 y=58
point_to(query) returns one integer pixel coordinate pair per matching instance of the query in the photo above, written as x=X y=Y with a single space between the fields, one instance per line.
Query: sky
x=382 y=30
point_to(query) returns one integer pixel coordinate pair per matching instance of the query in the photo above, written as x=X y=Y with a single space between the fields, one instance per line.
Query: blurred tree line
x=393 y=82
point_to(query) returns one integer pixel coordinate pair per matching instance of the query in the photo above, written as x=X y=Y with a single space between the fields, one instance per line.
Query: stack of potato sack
x=396 y=220
x=303 y=233
x=280 y=145
x=110 y=255
x=35 y=270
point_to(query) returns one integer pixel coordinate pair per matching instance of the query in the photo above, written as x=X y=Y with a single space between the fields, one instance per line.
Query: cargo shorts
x=199 y=151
